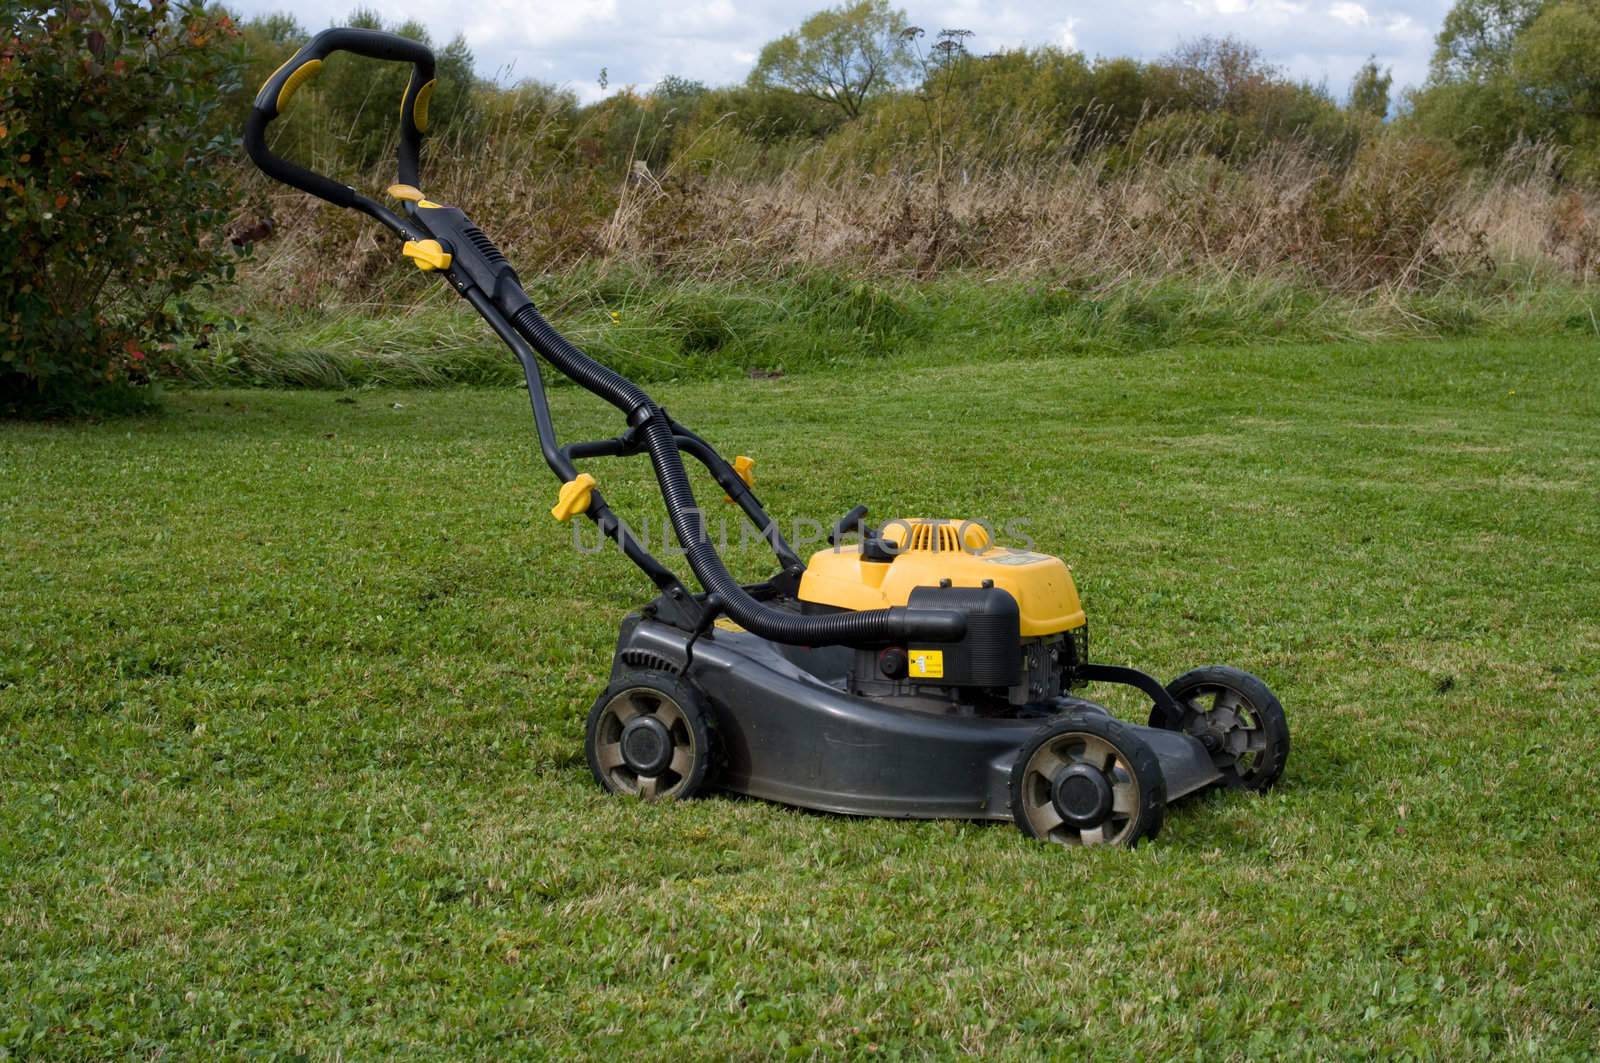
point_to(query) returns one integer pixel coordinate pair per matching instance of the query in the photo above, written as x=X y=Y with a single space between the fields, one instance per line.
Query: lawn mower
x=914 y=669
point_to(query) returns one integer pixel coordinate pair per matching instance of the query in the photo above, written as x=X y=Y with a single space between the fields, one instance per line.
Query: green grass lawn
x=292 y=688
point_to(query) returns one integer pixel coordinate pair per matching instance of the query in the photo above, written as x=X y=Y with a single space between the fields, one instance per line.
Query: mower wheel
x=1086 y=779
x=1238 y=718
x=649 y=736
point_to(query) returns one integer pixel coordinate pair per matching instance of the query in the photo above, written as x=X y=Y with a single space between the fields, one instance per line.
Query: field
x=292 y=688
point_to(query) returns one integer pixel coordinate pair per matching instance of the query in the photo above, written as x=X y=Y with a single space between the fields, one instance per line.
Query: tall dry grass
x=1399 y=215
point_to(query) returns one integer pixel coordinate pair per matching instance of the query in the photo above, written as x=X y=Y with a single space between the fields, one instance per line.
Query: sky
x=715 y=41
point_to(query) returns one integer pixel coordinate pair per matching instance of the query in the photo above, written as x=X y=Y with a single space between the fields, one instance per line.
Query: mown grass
x=292 y=688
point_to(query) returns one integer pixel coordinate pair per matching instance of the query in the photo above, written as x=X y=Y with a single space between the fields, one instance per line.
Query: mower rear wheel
x=649 y=736
x=1086 y=779
x=1238 y=718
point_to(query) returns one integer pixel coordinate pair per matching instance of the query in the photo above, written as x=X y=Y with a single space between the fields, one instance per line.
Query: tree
x=842 y=56
x=1369 y=89
x=1126 y=92
x=675 y=91
x=1556 y=61
x=1470 y=97
x=1476 y=39
x=1557 y=58
x=1512 y=70
x=1220 y=73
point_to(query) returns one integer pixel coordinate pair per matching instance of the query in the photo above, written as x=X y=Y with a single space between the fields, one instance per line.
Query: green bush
x=1379 y=223
x=112 y=192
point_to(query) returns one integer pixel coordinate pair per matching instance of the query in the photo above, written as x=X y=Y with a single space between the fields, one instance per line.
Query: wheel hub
x=1082 y=794
x=646 y=745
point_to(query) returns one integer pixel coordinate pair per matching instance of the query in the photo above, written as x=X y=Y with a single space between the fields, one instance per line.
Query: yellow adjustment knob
x=427 y=254
x=743 y=466
x=412 y=194
x=574 y=497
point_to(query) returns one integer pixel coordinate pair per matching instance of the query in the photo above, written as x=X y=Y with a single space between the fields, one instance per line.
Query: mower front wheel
x=649 y=736
x=1086 y=779
x=1238 y=718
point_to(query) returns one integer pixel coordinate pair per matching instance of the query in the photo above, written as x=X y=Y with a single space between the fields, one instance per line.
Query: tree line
x=860 y=85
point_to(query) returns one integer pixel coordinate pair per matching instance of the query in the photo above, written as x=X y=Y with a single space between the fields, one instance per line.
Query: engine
x=1026 y=629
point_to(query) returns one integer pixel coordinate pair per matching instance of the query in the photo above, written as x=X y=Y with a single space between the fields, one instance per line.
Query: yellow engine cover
x=931 y=551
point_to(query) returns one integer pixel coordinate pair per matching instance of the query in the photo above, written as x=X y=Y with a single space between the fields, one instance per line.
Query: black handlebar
x=483 y=276
x=280 y=87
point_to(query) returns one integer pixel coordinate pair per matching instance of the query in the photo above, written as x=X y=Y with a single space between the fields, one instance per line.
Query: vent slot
x=481 y=241
x=937 y=538
x=653 y=662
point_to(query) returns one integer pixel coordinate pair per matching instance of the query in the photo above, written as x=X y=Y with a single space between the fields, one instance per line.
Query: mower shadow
x=1221 y=831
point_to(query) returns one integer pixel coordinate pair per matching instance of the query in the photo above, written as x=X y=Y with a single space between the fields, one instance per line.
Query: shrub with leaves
x=113 y=191
x=1379 y=224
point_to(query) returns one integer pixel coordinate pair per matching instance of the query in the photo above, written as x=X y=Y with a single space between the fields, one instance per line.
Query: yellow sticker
x=927 y=664
x=727 y=625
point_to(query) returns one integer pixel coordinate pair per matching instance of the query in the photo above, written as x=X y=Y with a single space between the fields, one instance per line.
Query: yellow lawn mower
x=916 y=669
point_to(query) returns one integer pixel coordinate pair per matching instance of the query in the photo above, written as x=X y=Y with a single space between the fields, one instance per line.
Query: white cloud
x=1406 y=26
x=698 y=18
x=1067 y=34
x=1350 y=14
x=508 y=20
x=1260 y=9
